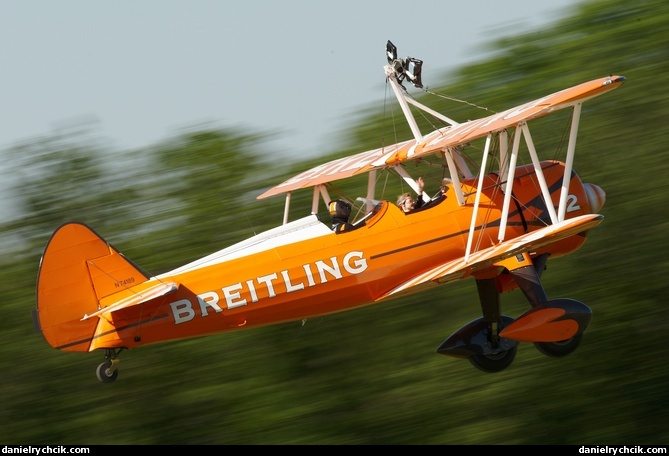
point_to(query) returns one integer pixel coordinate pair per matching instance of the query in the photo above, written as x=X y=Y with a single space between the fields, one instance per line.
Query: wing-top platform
x=450 y=140
x=445 y=138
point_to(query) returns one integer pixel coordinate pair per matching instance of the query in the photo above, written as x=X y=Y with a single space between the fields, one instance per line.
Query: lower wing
x=458 y=269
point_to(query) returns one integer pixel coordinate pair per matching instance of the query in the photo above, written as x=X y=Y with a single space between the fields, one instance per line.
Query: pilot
x=340 y=211
x=407 y=203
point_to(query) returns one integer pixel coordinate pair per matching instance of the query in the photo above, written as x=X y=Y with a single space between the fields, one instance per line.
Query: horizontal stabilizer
x=458 y=269
x=155 y=291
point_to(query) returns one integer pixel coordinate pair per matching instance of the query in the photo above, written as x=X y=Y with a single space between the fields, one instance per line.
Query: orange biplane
x=498 y=224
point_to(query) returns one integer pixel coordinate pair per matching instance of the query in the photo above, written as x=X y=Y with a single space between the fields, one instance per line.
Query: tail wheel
x=494 y=362
x=105 y=373
x=561 y=348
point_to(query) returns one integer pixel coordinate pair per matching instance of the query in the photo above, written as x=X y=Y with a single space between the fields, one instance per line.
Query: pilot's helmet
x=340 y=209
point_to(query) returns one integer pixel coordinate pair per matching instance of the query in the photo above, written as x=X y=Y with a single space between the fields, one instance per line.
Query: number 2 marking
x=572 y=203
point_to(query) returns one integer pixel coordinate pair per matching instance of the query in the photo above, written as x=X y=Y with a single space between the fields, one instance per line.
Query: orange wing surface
x=460 y=268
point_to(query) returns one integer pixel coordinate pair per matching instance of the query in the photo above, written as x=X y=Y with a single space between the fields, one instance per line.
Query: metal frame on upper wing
x=446 y=140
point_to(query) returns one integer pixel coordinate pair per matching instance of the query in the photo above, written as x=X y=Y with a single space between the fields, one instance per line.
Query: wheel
x=496 y=362
x=103 y=374
x=561 y=348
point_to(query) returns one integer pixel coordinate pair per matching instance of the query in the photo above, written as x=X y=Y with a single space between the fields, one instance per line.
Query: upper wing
x=468 y=131
x=337 y=169
x=457 y=269
x=444 y=138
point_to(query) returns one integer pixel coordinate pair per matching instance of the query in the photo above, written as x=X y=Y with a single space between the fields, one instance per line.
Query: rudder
x=77 y=270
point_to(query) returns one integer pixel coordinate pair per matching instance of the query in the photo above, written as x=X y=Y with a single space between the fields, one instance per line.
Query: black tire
x=494 y=363
x=102 y=372
x=559 y=349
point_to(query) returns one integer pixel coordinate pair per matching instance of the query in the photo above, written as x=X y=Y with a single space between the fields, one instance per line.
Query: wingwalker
x=496 y=224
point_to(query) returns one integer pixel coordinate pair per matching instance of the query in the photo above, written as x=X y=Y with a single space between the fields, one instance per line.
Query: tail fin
x=78 y=269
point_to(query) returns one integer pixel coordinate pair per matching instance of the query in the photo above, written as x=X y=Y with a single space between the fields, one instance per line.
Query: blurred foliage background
x=368 y=376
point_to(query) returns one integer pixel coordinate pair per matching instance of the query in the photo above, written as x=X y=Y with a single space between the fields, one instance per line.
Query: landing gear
x=479 y=341
x=561 y=348
x=107 y=372
x=490 y=343
x=494 y=362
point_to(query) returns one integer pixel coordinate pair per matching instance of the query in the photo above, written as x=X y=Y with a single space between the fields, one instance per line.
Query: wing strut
x=508 y=190
x=571 y=148
x=391 y=73
x=472 y=225
x=371 y=180
x=286 y=208
x=455 y=176
x=436 y=114
x=503 y=153
x=540 y=174
x=523 y=130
